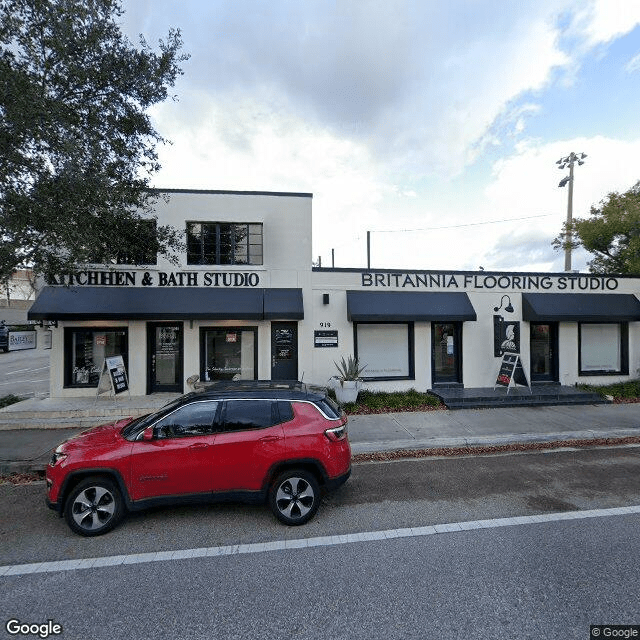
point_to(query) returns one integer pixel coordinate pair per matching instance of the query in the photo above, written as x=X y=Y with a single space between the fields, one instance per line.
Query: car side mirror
x=148 y=434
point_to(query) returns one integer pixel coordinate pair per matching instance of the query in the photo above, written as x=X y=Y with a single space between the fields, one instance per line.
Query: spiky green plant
x=349 y=369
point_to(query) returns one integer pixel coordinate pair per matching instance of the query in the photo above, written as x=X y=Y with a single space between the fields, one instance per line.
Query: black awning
x=139 y=303
x=580 y=307
x=283 y=304
x=374 y=306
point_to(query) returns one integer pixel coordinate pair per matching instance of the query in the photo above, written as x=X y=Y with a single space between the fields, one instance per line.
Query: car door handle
x=199 y=445
x=270 y=439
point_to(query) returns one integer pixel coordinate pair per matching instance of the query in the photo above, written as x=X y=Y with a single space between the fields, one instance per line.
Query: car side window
x=241 y=415
x=286 y=411
x=194 y=419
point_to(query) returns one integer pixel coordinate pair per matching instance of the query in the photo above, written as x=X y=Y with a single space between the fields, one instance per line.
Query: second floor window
x=224 y=243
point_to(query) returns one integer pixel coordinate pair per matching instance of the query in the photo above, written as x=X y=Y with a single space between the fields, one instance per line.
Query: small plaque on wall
x=325 y=339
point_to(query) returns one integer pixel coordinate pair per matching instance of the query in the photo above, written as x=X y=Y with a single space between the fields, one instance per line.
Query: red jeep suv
x=243 y=441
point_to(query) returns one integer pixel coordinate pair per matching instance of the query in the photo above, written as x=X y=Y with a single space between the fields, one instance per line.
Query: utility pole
x=368 y=249
x=569 y=161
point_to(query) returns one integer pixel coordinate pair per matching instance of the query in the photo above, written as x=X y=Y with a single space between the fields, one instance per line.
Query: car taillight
x=337 y=433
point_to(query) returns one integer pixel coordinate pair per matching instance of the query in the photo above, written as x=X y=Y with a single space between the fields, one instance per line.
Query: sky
x=434 y=125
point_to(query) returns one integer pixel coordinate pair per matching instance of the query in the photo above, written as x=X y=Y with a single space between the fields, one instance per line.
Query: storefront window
x=385 y=350
x=229 y=354
x=603 y=348
x=86 y=350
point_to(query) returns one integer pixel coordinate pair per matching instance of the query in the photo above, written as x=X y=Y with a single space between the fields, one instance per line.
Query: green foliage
x=612 y=234
x=77 y=148
x=383 y=402
x=349 y=369
x=628 y=389
x=5 y=401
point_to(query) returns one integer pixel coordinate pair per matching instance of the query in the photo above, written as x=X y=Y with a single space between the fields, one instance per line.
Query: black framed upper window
x=603 y=349
x=146 y=251
x=224 y=243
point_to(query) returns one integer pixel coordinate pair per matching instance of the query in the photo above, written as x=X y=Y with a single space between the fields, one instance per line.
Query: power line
x=457 y=226
x=454 y=226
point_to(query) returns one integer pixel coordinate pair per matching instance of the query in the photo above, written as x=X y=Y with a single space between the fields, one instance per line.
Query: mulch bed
x=400 y=454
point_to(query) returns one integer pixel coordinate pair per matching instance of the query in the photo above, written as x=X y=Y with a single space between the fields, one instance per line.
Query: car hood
x=103 y=434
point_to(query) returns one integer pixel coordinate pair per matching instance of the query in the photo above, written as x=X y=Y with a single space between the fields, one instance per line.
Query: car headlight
x=58 y=455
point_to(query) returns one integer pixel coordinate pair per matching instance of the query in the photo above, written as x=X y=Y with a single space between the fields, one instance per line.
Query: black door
x=284 y=350
x=446 y=349
x=544 y=349
x=165 y=357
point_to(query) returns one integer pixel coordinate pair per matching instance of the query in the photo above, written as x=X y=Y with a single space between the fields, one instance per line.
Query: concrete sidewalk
x=46 y=423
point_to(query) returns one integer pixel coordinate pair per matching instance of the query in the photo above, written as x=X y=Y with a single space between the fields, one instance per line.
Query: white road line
x=306 y=543
x=27 y=381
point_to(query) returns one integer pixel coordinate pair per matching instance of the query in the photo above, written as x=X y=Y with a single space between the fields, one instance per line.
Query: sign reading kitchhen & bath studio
x=159 y=279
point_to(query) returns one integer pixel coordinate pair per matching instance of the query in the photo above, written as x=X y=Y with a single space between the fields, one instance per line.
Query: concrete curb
x=492 y=440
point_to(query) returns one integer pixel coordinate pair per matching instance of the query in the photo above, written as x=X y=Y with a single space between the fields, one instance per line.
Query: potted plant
x=349 y=372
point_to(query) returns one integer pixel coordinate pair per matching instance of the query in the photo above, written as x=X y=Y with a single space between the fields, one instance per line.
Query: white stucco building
x=245 y=302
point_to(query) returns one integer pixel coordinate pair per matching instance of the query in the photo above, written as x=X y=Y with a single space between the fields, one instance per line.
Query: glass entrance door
x=284 y=350
x=544 y=347
x=446 y=347
x=164 y=367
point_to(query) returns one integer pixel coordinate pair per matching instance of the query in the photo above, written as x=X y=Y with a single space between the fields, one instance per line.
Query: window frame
x=203 y=347
x=68 y=353
x=410 y=349
x=624 y=351
x=251 y=259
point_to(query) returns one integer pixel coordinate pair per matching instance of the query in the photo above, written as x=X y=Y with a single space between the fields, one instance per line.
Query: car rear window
x=329 y=408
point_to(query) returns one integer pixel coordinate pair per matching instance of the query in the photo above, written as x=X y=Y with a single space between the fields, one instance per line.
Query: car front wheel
x=294 y=497
x=94 y=506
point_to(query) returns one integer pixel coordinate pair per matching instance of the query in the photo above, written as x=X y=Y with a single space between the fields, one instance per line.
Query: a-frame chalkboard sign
x=113 y=377
x=511 y=372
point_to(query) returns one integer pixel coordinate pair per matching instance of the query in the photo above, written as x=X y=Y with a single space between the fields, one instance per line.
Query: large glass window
x=224 y=243
x=229 y=353
x=85 y=351
x=603 y=348
x=385 y=350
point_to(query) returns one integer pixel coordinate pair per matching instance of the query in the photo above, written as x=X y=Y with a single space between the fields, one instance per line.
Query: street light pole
x=569 y=161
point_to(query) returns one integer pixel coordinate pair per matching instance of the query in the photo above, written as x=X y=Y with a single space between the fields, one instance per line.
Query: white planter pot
x=348 y=391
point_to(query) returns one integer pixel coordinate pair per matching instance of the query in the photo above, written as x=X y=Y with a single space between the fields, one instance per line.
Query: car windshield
x=137 y=425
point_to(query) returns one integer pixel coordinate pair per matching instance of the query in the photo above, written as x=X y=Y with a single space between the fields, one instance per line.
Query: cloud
x=633 y=65
x=601 y=21
x=419 y=83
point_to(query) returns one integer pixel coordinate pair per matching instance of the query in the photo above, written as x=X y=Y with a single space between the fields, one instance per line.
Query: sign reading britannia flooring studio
x=523 y=282
x=159 y=279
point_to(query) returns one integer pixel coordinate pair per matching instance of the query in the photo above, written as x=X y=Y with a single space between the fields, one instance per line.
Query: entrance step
x=540 y=396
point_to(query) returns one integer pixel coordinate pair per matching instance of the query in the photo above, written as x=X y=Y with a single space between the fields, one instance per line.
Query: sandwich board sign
x=113 y=377
x=511 y=372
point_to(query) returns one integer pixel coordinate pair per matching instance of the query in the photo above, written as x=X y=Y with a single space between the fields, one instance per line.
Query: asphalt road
x=24 y=373
x=530 y=580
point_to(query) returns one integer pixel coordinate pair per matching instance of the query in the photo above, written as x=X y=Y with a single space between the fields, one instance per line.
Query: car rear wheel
x=294 y=497
x=94 y=506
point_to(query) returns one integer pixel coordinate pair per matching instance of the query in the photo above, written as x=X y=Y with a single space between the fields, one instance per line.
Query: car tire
x=294 y=497
x=94 y=506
